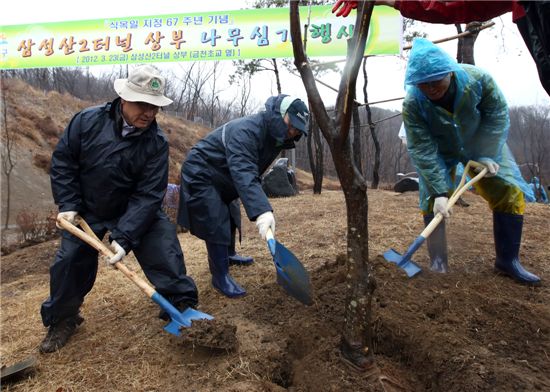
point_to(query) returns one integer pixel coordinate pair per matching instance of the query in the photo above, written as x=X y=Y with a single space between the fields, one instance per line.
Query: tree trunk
x=356 y=343
x=465 y=48
x=357 y=333
x=8 y=199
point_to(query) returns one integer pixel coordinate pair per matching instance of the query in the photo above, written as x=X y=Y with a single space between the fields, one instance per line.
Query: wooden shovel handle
x=462 y=187
x=91 y=239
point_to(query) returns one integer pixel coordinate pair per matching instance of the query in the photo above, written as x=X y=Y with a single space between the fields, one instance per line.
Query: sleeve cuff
x=122 y=242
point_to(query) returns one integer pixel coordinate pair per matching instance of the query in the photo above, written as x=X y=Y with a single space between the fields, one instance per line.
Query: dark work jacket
x=226 y=165
x=108 y=178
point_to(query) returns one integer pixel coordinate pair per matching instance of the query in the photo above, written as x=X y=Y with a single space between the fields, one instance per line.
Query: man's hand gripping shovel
x=179 y=319
x=404 y=261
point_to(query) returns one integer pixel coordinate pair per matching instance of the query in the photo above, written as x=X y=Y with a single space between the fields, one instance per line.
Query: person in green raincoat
x=454 y=113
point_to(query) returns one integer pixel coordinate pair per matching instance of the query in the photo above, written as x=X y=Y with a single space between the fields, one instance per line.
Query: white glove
x=264 y=222
x=440 y=205
x=492 y=166
x=119 y=253
x=68 y=216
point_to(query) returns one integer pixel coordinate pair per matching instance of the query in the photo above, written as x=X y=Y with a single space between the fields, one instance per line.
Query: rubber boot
x=507 y=230
x=437 y=246
x=234 y=258
x=218 y=261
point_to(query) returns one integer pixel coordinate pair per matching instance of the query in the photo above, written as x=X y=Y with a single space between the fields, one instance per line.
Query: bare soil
x=468 y=330
x=212 y=334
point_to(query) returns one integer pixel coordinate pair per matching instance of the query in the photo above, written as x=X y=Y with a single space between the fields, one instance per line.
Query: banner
x=219 y=35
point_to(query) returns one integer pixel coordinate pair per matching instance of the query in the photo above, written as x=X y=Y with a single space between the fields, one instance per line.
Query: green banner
x=219 y=35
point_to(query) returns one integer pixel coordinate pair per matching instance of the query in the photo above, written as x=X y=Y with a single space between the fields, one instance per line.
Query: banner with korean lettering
x=220 y=35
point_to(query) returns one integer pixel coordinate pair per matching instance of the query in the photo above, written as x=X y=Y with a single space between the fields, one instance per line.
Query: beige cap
x=144 y=84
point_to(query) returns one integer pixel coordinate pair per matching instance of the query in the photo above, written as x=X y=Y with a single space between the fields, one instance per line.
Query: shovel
x=404 y=261
x=16 y=371
x=178 y=319
x=291 y=274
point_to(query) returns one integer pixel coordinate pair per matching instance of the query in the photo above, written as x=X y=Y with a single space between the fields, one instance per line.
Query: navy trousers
x=74 y=270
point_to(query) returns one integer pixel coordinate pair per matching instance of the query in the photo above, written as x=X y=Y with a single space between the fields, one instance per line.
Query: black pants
x=73 y=273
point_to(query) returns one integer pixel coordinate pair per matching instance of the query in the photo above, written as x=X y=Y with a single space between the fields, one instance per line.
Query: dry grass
x=122 y=346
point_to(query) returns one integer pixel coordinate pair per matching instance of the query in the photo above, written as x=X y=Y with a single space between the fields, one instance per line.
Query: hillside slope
x=36 y=119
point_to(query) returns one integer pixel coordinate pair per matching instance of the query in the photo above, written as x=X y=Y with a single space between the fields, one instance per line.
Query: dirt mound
x=468 y=330
x=214 y=334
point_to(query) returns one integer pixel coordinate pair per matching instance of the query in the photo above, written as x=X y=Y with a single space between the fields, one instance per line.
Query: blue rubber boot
x=218 y=261
x=234 y=258
x=507 y=230
x=437 y=246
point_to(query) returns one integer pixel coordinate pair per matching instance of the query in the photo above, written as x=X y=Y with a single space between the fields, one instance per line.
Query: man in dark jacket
x=225 y=166
x=111 y=167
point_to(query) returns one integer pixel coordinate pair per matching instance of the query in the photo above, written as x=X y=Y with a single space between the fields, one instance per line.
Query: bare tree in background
x=465 y=47
x=253 y=67
x=243 y=80
x=315 y=155
x=180 y=84
x=8 y=159
x=244 y=96
x=315 y=145
x=372 y=129
x=198 y=82
x=356 y=138
x=212 y=99
x=356 y=342
x=530 y=140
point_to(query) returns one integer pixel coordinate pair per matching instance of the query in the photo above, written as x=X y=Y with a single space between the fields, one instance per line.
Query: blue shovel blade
x=291 y=274
x=410 y=267
x=393 y=256
x=184 y=320
x=178 y=319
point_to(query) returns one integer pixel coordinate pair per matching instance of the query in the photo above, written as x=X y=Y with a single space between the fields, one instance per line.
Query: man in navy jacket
x=111 y=167
x=225 y=166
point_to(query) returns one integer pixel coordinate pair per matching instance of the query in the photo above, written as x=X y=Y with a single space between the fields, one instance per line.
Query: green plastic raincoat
x=438 y=140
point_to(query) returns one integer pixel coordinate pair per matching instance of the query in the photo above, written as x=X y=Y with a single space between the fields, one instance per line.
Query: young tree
x=8 y=159
x=356 y=342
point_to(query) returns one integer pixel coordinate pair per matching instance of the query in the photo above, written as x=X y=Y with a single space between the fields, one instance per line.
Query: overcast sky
x=499 y=50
